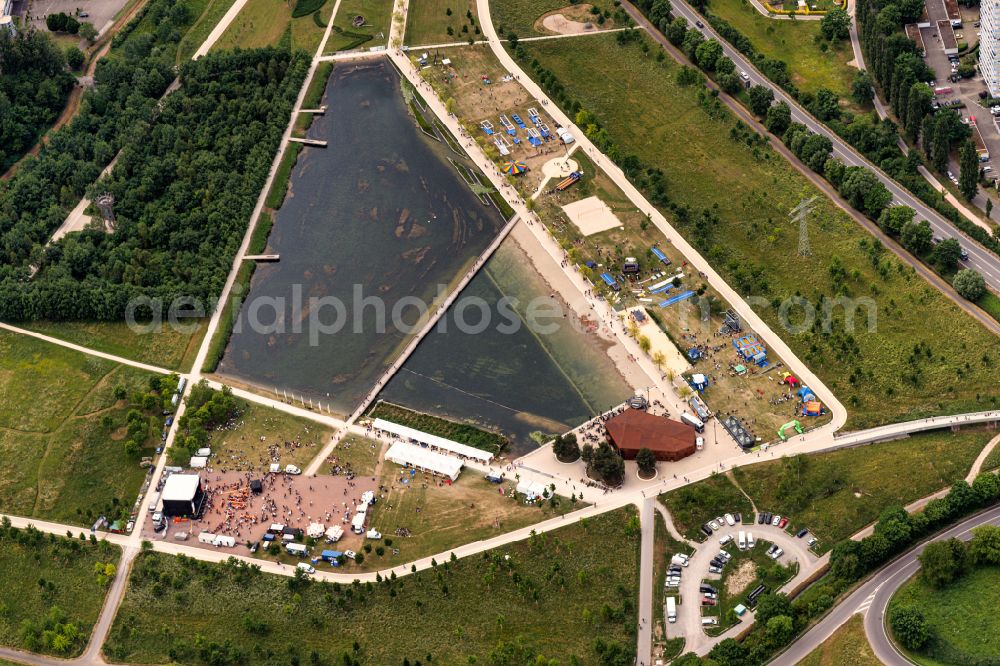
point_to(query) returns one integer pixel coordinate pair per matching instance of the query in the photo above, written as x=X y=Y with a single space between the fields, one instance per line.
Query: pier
x=309 y=142
x=262 y=257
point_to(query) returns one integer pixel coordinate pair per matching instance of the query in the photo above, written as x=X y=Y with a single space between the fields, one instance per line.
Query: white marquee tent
x=434 y=441
x=405 y=454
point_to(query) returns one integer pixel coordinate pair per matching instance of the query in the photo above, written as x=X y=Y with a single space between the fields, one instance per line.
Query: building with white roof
x=182 y=495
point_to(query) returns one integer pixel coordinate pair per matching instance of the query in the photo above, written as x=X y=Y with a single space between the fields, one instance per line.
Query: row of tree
x=34 y=85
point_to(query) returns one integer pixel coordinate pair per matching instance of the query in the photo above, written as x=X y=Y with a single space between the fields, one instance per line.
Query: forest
x=34 y=85
x=189 y=171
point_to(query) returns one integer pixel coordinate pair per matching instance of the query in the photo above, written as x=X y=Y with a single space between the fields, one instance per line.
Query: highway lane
x=875 y=594
x=980 y=258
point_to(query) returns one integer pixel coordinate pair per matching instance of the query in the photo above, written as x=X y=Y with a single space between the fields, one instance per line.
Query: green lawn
x=836 y=494
x=962 y=617
x=522 y=17
x=62 y=432
x=545 y=593
x=358 y=453
x=427 y=22
x=847 y=645
x=700 y=502
x=912 y=352
x=270 y=23
x=168 y=348
x=798 y=43
x=440 y=517
x=261 y=434
x=377 y=15
x=44 y=580
x=198 y=33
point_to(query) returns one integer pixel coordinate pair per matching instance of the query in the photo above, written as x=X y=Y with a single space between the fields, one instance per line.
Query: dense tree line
x=184 y=185
x=34 y=85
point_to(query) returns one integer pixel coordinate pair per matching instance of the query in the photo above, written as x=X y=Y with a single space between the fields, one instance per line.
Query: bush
x=969 y=284
x=910 y=627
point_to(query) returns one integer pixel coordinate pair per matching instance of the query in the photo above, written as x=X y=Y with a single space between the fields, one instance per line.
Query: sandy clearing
x=591 y=216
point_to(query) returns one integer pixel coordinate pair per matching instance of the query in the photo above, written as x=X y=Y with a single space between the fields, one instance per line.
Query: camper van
x=671 y=609
x=693 y=421
x=358 y=523
x=743 y=540
x=750 y=540
x=296 y=549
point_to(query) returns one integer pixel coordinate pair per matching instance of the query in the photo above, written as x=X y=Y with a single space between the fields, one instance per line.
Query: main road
x=872 y=599
x=980 y=258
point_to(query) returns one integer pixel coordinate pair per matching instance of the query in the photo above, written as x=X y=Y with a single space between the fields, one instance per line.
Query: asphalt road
x=980 y=258
x=872 y=599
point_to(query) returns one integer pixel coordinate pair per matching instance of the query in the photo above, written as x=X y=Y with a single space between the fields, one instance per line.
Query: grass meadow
x=562 y=589
x=700 y=502
x=847 y=645
x=909 y=351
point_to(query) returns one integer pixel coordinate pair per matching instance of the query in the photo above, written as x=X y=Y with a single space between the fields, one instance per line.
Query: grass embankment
x=374 y=32
x=962 y=617
x=836 y=494
x=270 y=23
x=62 y=432
x=47 y=583
x=524 y=17
x=700 y=502
x=847 y=645
x=911 y=353
x=459 y=432
x=313 y=99
x=548 y=595
x=427 y=22
x=262 y=433
x=166 y=346
x=798 y=43
x=241 y=286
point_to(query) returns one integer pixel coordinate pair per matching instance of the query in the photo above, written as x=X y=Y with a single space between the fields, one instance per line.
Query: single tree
x=646 y=461
x=835 y=24
x=968 y=176
x=947 y=254
x=760 y=100
x=910 y=627
x=969 y=284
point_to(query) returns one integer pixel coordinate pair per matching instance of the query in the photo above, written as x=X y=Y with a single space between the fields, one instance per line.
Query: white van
x=699 y=443
x=743 y=540
x=306 y=567
x=358 y=523
x=750 y=541
x=671 y=609
x=709 y=622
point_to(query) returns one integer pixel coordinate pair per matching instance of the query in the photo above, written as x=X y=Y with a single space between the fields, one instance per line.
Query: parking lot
x=950 y=88
x=688 y=593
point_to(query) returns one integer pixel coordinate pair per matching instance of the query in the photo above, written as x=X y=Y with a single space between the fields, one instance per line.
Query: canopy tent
x=532 y=489
x=514 y=168
x=433 y=441
x=412 y=455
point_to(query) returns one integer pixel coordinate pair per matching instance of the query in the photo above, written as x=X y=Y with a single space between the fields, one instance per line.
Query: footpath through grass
x=559 y=594
x=962 y=617
x=47 y=583
x=63 y=432
x=270 y=23
x=798 y=43
x=836 y=494
x=847 y=645
x=905 y=351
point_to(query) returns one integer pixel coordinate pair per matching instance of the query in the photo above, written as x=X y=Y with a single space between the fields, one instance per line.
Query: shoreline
x=559 y=283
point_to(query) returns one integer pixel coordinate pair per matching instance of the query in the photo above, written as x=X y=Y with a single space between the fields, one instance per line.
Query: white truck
x=671 y=609
x=358 y=523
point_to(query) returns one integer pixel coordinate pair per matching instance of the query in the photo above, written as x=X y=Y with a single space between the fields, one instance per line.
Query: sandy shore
x=559 y=282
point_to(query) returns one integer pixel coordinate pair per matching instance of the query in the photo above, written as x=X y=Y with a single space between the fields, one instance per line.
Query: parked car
x=306 y=567
x=801 y=533
x=705 y=601
x=775 y=521
x=710 y=595
x=782 y=523
x=725 y=556
x=714 y=524
x=293 y=470
x=706 y=588
x=714 y=569
x=730 y=520
x=706 y=529
x=726 y=539
x=760 y=518
x=349 y=554
x=812 y=542
x=775 y=553
x=738 y=517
